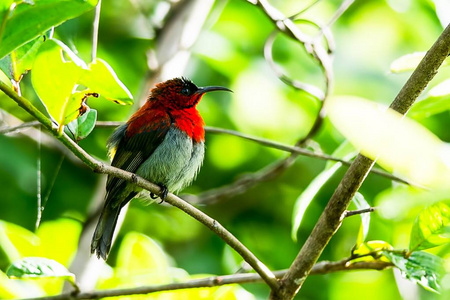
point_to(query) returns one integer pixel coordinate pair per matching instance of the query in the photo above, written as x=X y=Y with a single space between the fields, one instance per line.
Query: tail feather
x=103 y=235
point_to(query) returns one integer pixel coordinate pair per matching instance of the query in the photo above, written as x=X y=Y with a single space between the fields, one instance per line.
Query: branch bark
x=332 y=216
x=324 y=267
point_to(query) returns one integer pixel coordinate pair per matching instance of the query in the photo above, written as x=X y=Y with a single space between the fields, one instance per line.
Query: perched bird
x=162 y=142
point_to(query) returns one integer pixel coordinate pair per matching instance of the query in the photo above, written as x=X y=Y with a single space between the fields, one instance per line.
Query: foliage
x=46 y=55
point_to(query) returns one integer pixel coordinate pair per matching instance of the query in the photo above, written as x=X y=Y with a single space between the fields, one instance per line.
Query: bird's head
x=180 y=93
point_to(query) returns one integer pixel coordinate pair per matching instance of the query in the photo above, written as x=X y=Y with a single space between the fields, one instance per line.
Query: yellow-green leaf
x=361 y=203
x=371 y=247
x=19 y=61
x=431 y=227
x=55 y=78
x=138 y=255
x=101 y=79
x=398 y=143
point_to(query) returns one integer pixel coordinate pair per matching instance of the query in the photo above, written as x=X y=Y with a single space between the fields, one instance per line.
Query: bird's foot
x=162 y=194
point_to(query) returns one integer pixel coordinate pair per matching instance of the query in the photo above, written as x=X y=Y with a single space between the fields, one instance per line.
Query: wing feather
x=131 y=148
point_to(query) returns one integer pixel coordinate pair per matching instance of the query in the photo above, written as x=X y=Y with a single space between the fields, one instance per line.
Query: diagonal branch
x=332 y=216
x=100 y=167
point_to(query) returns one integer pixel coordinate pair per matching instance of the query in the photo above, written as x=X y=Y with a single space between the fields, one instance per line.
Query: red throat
x=149 y=117
x=190 y=121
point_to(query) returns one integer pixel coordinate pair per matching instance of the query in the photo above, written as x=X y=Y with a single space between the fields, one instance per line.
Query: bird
x=163 y=142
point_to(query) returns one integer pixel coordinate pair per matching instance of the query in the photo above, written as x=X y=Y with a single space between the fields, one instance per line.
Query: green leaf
x=81 y=127
x=38 y=267
x=431 y=227
x=29 y=21
x=397 y=143
x=436 y=101
x=422 y=268
x=409 y=62
x=361 y=203
x=101 y=79
x=54 y=79
x=20 y=61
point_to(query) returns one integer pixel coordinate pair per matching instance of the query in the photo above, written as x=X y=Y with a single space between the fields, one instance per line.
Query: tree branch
x=332 y=216
x=100 y=167
x=258 y=140
x=324 y=267
x=349 y=213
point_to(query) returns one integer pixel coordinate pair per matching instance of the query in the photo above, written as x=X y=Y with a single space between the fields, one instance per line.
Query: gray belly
x=175 y=163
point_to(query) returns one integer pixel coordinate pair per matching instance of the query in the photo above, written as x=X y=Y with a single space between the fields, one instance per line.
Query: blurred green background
x=229 y=52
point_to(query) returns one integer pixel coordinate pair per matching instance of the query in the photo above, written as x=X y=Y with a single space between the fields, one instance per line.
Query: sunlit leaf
x=398 y=143
x=406 y=202
x=75 y=107
x=138 y=255
x=370 y=249
x=361 y=203
x=54 y=79
x=58 y=239
x=16 y=241
x=29 y=21
x=101 y=79
x=431 y=227
x=81 y=127
x=38 y=267
x=409 y=62
x=437 y=101
x=422 y=268
x=20 y=60
x=13 y=289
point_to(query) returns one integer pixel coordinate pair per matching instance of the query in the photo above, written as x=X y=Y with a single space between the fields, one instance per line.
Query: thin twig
x=323 y=57
x=100 y=167
x=324 y=267
x=332 y=216
x=95 y=26
x=339 y=12
x=14 y=129
x=258 y=140
x=349 y=213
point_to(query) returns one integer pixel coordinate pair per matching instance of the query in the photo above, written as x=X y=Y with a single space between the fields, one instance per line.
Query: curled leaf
x=39 y=267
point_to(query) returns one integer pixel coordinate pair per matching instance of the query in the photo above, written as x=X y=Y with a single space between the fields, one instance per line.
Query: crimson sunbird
x=162 y=142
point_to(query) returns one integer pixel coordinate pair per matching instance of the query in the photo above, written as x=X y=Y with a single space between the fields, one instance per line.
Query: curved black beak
x=206 y=89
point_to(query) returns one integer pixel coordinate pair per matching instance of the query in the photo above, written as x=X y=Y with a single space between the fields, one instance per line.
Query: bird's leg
x=162 y=194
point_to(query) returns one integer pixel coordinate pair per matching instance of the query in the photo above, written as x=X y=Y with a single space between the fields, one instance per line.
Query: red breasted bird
x=162 y=142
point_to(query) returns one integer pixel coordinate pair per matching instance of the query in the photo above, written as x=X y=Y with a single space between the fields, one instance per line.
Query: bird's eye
x=186 y=91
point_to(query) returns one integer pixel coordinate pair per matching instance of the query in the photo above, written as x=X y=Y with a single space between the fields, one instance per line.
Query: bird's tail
x=102 y=239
